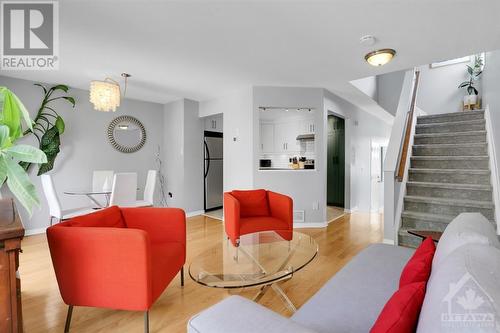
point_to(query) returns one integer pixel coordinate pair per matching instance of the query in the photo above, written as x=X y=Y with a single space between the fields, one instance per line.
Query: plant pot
x=470 y=102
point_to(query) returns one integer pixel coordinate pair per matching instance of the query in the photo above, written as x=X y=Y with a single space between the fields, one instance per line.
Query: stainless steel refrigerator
x=213 y=170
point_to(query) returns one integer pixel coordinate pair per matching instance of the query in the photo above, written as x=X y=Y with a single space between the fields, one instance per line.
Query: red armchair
x=246 y=212
x=118 y=258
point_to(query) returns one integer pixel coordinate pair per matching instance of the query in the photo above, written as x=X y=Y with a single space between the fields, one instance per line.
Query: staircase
x=449 y=173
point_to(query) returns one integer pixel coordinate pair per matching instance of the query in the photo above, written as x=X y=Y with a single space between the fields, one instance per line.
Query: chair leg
x=68 y=319
x=51 y=220
x=146 y=322
x=182 y=276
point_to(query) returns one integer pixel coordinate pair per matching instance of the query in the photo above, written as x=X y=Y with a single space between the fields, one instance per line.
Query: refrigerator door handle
x=207 y=159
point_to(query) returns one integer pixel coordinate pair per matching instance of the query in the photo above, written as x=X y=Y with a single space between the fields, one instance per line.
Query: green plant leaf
x=70 y=99
x=60 y=125
x=24 y=112
x=26 y=153
x=62 y=87
x=4 y=137
x=41 y=86
x=463 y=84
x=49 y=144
x=20 y=184
x=11 y=116
x=469 y=70
x=3 y=171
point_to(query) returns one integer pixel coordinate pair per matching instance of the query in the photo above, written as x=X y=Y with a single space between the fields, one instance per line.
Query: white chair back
x=51 y=196
x=124 y=191
x=102 y=180
x=149 y=189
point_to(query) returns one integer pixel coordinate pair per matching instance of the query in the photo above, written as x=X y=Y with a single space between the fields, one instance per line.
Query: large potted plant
x=13 y=115
x=474 y=72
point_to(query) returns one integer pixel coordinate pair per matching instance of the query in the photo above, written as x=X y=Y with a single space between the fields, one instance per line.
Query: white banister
x=493 y=165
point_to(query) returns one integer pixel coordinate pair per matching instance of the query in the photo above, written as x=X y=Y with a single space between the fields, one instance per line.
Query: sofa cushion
x=466 y=228
x=107 y=218
x=400 y=313
x=352 y=299
x=252 y=202
x=418 y=268
x=465 y=283
x=250 y=225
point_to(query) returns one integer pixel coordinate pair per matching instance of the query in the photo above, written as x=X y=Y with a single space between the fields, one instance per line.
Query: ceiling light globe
x=380 y=57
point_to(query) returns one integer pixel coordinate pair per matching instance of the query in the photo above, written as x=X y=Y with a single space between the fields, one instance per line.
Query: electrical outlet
x=170 y=194
x=315 y=205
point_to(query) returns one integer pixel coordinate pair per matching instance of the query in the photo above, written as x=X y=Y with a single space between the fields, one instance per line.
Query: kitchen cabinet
x=214 y=123
x=285 y=137
x=266 y=138
x=308 y=126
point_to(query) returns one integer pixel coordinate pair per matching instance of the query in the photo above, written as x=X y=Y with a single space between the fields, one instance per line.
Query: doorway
x=335 y=166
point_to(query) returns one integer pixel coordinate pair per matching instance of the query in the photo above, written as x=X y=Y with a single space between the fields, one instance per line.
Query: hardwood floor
x=44 y=310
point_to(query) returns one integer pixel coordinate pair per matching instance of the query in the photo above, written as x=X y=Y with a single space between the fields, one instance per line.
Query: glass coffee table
x=262 y=260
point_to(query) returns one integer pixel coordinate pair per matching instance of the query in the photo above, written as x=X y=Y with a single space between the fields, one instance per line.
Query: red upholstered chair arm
x=161 y=224
x=232 y=216
x=102 y=267
x=281 y=207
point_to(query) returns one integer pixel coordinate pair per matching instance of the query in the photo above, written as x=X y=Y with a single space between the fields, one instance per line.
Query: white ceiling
x=204 y=49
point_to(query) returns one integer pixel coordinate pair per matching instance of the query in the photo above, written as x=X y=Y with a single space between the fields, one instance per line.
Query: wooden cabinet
x=214 y=123
x=11 y=234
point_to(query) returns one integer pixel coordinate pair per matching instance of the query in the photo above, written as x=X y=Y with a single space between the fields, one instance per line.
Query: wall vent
x=298 y=216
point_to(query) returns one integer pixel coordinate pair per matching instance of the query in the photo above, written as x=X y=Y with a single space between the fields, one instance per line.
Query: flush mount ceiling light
x=380 y=57
x=105 y=95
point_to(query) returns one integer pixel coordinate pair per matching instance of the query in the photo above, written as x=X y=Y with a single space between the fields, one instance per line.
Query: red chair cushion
x=252 y=203
x=250 y=225
x=400 y=313
x=418 y=268
x=108 y=218
x=166 y=261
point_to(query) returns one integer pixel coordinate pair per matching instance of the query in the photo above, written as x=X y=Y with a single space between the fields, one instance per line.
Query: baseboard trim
x=388 y=241
x=37 y=231
x=350 y=211
x=195 y=213
x=301 y=225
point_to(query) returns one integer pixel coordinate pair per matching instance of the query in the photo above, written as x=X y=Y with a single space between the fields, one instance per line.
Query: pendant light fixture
x=380 y=57
x=105 y=95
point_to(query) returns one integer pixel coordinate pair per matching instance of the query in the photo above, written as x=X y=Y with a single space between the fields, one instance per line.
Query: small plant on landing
x=474 y=73
x=13 y=114
x=49 y=125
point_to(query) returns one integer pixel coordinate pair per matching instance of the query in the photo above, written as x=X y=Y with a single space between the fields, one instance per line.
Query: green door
x=336 y=161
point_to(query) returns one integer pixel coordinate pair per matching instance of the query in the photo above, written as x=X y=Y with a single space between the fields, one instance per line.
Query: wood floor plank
x=44 y=310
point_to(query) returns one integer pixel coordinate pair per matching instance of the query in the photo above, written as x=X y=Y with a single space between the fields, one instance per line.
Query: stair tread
x=428 y=216
x=469 y=171
x=449 y=157
x=431 y=116
x=451 y=185
x=447 y=123
x=432 y=135
x=451 y=202
x=450 y=145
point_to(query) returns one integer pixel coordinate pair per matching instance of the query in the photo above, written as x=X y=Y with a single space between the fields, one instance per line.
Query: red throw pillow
x=252 y=203
x=109 y=218
x=418 y=268
x=400 y=313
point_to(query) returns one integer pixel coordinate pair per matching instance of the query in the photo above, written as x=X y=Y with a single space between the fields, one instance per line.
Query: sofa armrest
x=231 y=217
x=161 y=224
x=102 y=267
x=238 y=315
x=281 y=207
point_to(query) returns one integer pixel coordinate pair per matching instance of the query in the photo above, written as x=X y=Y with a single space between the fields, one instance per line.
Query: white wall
x=85 y=146
x=389 y=89
x=183 y=151
x=368 y=85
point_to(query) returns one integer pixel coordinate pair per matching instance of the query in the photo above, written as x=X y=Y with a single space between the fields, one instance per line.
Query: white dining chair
x=102 y=180
x=124 y=189
x=149 y=191
x=55 y=210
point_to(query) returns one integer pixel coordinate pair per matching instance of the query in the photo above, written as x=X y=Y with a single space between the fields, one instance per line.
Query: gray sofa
x=352 y=299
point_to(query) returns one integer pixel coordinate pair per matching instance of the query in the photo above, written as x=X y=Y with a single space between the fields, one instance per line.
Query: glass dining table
x=91 y=194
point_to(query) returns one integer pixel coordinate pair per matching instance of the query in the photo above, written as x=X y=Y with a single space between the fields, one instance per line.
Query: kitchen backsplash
x=281 y=160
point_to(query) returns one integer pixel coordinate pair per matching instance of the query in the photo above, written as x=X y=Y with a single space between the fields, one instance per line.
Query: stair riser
x=450 y=151
x=449 y=118
x=419 y=224
x=450 y=139
x=467 y=194
x=409 y=241
x=450 y=164
x=449 y=128
x=450 y=178
x=441 y=209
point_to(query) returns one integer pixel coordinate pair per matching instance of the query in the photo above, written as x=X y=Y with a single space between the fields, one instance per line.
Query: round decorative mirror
x=126 y=134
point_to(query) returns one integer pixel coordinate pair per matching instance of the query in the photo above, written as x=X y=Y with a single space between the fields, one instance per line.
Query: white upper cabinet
x=266 y=138
x=285 y=136
x=308 y=126
x=214 y=124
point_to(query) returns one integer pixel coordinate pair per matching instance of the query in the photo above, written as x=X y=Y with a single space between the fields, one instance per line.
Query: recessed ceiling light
x=380 y=57
x=286 y=110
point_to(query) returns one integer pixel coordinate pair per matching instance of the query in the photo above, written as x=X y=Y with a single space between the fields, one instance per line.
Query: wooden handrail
x=409 y=124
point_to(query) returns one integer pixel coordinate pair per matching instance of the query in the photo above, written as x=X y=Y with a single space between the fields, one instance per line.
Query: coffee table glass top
x=262 y=258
